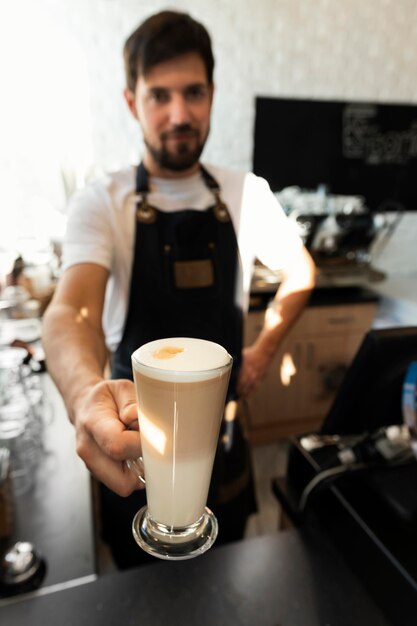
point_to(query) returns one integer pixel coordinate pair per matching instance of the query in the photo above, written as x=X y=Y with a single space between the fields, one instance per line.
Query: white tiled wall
x=70 y=50
x=364 y=49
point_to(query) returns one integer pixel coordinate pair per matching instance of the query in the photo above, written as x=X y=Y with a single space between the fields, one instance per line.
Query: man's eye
x=196 y=92
x=159 y=96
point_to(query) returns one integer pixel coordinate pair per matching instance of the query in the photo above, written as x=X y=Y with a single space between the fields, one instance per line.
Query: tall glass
x=181 y=386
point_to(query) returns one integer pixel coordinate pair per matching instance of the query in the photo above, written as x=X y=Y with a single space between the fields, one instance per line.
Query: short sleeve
x=88 y=234
x=273 y=236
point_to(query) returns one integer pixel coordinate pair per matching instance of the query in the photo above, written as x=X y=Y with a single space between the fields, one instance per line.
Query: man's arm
x=290 y=300
x=76 y=356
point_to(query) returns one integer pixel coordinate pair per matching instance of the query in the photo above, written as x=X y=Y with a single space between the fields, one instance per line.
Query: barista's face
x=172 y=103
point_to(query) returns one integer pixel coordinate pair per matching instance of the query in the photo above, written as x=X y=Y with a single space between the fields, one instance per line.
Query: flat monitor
x=363 y=149
x=370 y=395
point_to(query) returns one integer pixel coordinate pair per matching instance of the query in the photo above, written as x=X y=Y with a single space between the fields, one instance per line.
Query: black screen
x=353 y=148
x=370 y=395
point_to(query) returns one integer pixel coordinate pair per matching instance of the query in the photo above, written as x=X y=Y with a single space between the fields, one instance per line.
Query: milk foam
x=180 y=358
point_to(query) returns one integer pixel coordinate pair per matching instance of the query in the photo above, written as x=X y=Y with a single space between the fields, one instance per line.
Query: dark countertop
x=322 y=296
x=56 y=513
x=325 y=296
x=285 y=579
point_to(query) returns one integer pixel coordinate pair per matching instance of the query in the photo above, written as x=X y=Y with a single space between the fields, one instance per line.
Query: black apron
x=185 y=275
x=184 y=279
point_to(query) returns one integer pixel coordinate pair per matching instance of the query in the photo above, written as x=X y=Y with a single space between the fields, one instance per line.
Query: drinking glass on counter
x=22 y=417
x=181 y=385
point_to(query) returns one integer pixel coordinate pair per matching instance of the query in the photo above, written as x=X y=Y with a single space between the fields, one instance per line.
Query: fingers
x=246 y=387
x=129 y=415
x=106 y=437
x=101 y=419
x=116 y=440
x=255 y=365
x=124 y=396
x=114 y=474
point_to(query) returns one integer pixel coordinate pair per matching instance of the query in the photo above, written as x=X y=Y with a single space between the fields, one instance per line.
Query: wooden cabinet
x=307 y=370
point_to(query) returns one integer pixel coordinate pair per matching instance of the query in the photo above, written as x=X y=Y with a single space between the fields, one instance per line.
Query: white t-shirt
x=101 y=228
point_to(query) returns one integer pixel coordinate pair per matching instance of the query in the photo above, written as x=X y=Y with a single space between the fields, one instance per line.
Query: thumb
x=129 y=413
x=124 y=395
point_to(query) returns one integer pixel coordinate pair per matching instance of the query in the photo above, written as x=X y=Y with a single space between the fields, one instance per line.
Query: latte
x=181 y=387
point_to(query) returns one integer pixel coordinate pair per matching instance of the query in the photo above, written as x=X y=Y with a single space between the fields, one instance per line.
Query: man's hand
x=106 y=434
x=289 y=302
x=255 y=363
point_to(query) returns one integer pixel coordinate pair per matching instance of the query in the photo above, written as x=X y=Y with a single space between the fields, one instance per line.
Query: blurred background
x=63 y=119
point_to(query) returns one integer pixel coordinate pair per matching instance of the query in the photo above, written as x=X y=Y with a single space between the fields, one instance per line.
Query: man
x=166 y=249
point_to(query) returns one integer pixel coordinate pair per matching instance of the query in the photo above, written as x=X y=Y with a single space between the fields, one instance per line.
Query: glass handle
x=136 y=466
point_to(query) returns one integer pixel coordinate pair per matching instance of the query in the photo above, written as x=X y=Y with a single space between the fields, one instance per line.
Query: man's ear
x=131 y=102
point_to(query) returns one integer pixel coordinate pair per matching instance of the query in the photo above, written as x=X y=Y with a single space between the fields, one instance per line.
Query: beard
x=186 y=153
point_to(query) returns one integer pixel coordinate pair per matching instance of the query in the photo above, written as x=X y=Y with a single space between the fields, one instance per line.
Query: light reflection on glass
x=153 y=435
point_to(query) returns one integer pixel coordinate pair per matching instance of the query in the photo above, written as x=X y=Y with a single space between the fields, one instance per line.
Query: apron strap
x=147 y=214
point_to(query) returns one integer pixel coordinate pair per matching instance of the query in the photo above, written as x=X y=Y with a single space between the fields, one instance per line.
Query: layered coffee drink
x=181 y=386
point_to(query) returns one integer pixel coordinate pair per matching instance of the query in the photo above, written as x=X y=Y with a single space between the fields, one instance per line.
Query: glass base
x=174 y=543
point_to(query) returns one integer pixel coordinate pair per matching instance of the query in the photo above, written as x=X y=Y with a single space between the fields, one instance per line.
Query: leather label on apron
x=193 y=274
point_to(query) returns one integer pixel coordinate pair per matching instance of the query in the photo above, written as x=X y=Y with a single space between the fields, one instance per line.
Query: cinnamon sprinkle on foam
x=167 y=352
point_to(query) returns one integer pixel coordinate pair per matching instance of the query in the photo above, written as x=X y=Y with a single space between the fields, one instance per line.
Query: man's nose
x=179 y=110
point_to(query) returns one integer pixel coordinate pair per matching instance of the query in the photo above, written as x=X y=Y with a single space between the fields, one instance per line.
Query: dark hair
x=162 y=37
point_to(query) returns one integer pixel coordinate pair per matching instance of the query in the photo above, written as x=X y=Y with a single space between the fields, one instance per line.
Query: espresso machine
x=339 y=232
